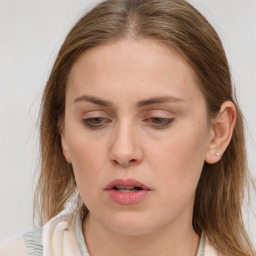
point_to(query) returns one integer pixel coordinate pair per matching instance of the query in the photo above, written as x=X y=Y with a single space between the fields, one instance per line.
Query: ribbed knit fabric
x=33 y=242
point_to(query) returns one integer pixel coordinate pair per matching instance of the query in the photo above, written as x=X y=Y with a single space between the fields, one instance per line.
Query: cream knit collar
x=60 y=237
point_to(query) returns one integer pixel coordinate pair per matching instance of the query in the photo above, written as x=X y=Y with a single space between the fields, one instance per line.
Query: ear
x=64 y=143
x=221 y=132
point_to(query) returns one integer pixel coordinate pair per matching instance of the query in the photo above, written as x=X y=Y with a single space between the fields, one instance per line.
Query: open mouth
x=126 y=189
x=126 y=186
x=127 y=192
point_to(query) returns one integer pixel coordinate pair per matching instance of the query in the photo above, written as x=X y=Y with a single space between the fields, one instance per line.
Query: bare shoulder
x=14 y=247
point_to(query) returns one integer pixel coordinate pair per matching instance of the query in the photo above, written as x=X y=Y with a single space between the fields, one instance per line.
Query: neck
x=173 y=239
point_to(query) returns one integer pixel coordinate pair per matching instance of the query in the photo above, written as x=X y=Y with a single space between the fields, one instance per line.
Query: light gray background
x=31 y=33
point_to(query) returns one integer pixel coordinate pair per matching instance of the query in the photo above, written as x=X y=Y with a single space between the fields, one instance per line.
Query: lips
x=130 y=183
x=127 y=192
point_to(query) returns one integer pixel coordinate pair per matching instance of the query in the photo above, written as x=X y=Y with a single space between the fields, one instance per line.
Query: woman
x=140 y=129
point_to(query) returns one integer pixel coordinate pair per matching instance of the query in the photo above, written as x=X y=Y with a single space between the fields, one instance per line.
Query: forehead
x=132 y=67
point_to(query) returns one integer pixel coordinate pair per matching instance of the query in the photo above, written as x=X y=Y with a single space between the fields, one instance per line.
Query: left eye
x=159 y=122
x=95 y=122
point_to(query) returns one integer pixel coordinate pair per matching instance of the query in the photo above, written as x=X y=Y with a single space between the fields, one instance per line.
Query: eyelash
x=88 y=122
x=160 y=123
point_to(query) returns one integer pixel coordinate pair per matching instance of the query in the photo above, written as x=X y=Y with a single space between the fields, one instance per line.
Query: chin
x=135 y=230
x=130 y=225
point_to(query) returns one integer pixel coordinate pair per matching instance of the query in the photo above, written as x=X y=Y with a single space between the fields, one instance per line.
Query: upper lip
x=126 y=183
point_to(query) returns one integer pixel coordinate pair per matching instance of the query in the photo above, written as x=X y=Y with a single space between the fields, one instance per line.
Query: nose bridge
x=125 y=149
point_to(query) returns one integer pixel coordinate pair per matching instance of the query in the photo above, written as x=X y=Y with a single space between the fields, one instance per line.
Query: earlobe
x=65 y=147
x=221 y=132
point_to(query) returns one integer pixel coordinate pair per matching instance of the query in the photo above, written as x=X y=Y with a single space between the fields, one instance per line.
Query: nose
x=125 y=149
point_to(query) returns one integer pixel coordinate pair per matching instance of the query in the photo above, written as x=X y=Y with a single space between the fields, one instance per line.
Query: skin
x=163 y=145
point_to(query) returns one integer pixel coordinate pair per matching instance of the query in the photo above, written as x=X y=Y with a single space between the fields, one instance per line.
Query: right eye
x=95 y=122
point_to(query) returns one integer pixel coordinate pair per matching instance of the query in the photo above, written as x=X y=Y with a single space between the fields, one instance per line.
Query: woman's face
x=136 y=133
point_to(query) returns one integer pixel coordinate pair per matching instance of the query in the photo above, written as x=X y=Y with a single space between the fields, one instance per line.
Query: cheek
x=180 y=159
x=88 y=158
x=87 y=165
x=84 y=150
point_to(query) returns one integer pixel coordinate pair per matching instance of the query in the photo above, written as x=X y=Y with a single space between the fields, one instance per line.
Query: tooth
x=123 y=187
x=126 y=190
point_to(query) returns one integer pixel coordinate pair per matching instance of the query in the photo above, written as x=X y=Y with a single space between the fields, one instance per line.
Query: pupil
x=157 y=120
x=96 y=120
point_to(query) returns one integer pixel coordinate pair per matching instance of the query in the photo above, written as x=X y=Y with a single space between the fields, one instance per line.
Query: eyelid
x=88 y=122
x=160 y=113
x=161 y=122
x=95 y=113
x=158 y=119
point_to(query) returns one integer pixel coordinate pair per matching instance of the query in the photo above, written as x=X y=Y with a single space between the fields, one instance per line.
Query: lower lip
x=127 y=198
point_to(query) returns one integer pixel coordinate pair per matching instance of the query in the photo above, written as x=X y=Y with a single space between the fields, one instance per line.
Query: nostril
x=115 y=161
x=124 y=163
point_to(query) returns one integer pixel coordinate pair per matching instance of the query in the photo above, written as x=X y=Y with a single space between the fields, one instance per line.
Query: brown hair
x=220 y=191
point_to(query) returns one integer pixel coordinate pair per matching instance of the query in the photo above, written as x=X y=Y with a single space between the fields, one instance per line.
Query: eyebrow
x=158 y=100
x=94 y=100
x=141 y=103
